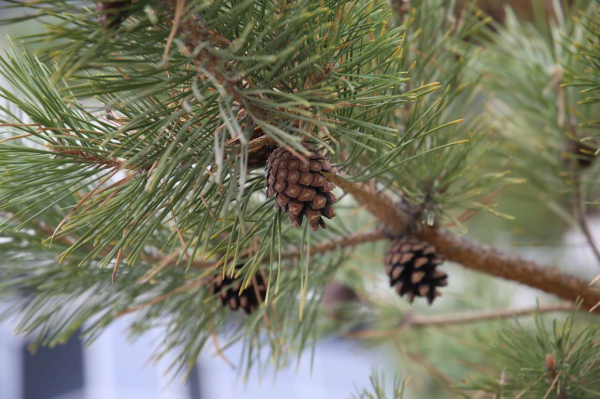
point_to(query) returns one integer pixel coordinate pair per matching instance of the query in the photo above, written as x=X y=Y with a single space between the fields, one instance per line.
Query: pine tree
x=172 y=160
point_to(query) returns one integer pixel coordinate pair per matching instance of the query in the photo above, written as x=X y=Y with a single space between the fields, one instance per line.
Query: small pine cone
x=411 y=265
x=300 y=187
x=112 y=12
x=337 y=300
x=228 y=291
x=579 y=154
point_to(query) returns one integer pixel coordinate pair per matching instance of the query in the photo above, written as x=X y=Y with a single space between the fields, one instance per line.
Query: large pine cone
x=300 y=187
x=411 y=265
x=112 y=12
x=228 y=291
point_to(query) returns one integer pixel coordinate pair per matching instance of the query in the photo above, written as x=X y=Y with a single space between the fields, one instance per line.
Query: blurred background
x=112 y=367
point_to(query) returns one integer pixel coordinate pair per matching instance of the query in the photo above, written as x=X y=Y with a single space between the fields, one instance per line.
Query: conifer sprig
x=558 y=359
x=584 y=72
x=125 y=158
x=138 y=159
x=379 y=388
x=199 y=111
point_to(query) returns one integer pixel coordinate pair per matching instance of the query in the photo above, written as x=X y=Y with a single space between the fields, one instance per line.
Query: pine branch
x=416 y=321
x=485 y=315
x=343 y=242
x=497 y=263
x=381 y=206
x=471 y=254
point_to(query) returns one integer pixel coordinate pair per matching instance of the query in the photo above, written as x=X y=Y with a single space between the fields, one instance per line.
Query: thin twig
x=342 y=242
x=412 y=321
x=194 y=283
x=554 y=376
x=20 y=136
x=117 y=263
x=430 y=368
x=218 y=350
x=328 y=246
x=501 y=382
x=579 y=213
x=486 y=315
x=179 y=6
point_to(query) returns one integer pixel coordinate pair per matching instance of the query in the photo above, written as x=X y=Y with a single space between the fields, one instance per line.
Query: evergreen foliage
x=535 y=116
x=378 y=389
x=586 y=71
x=555 y=359
x=133 y=172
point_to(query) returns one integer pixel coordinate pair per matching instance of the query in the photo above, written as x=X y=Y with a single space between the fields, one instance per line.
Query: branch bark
x=492 y=261
x=471 y=254
x=379 y=205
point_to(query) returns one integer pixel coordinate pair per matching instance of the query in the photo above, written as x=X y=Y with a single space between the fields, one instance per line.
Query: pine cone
x=228 y=290
x=337 y=300
x=580 y=154
x=411 y=265
x=112 y=12
x=300 y=187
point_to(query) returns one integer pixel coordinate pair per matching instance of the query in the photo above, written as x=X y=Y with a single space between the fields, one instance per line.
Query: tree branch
x=471 y=254
x=484 y=315
x=412 y=321
x=328 y=246
x=343 y=242
x=497 y=263
x=380 y=205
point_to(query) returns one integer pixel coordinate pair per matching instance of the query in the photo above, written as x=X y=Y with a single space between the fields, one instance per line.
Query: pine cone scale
x=228 y=291
x=411 y=266
x=300 y=188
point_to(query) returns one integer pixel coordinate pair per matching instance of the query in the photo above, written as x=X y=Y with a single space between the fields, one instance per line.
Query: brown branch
x=343 y=242
x=412 y=321
x=485 y=315
x=328 y=246
x=106 y=163
x=510 y=267
x=471 y=254
x=380 y=205
x=179 y=5
x=194 y=283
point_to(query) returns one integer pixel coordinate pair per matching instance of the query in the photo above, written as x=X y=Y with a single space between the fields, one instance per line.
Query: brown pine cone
x=112 y=12
x=300 y=187
x=228 y=291
x=411 y=265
